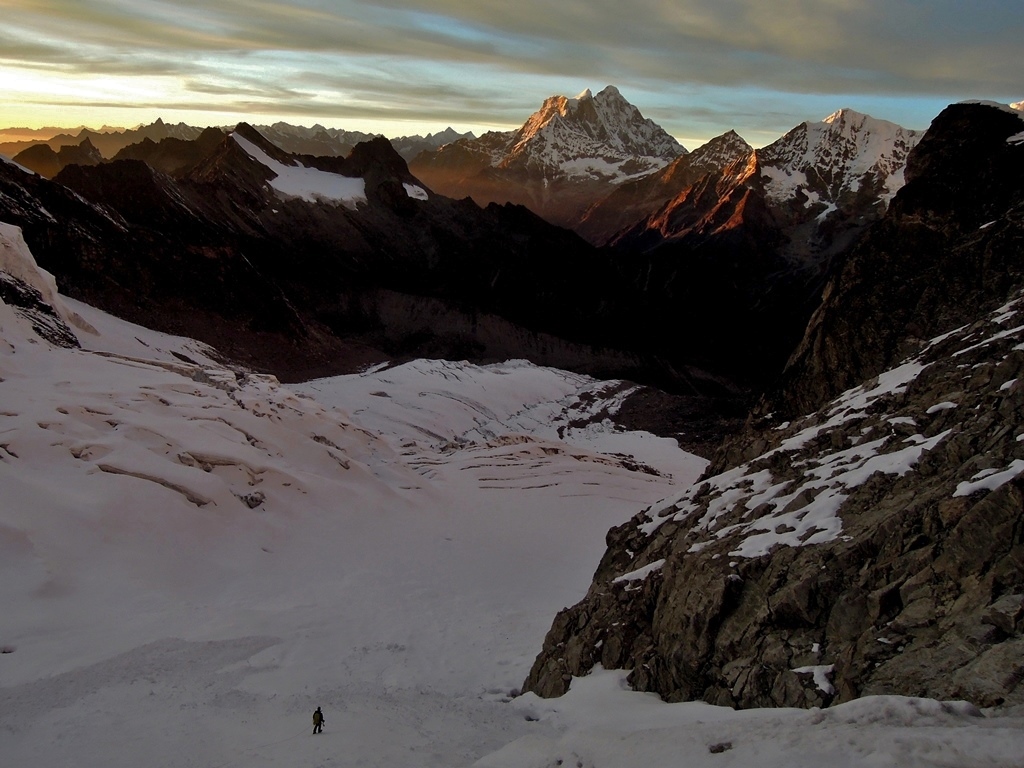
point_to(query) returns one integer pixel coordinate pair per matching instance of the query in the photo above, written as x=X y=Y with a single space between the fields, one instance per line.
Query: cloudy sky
x=697 y=67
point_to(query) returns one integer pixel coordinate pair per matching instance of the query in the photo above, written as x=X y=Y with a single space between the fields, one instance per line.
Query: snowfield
x=193 y=558
x=309 y=184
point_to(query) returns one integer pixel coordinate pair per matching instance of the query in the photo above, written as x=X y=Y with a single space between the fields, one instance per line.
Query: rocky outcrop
x=29 y=304
x=876 y=546
x=32 y=294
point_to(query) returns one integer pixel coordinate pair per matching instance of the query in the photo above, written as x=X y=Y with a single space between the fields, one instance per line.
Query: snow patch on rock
x=309 y=184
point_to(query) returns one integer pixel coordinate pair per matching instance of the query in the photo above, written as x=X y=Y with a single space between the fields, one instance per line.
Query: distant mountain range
x=702 y=268
x=594 y=164
x=108 y=143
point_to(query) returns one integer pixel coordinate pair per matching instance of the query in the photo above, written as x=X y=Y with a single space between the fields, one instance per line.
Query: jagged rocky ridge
x=801 y=200
x=742 y=235
x=767 y=223
x=635 y=200
x=48 y=162
x=818 y=180
x=877 y=544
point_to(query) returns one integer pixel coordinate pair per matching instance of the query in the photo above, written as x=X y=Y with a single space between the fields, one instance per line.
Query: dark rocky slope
x=304 y=288
x=173 y=155
x=877 y=544
x=748 y=237
x=708 y=263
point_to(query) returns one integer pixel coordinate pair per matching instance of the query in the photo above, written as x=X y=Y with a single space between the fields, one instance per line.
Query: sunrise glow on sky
x=401 y=67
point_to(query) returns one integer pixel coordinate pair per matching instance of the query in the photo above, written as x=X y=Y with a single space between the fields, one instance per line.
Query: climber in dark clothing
x=318 y=721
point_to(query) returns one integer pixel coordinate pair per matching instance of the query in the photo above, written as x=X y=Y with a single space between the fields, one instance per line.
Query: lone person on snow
x=318 y=721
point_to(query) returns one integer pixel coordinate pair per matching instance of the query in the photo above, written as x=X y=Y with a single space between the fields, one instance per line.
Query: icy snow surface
x=192 y=559
x=415 y=192
x=989 y=480
x=821 y=674
x=602 y=724
x=310 y=184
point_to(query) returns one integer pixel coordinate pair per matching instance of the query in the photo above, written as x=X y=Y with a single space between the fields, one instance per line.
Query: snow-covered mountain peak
x=845 y=114
x=849 y=123
x=566 y=156
x=583 y=95
x=720 y=152
x=601 y=137
x=827 y=161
